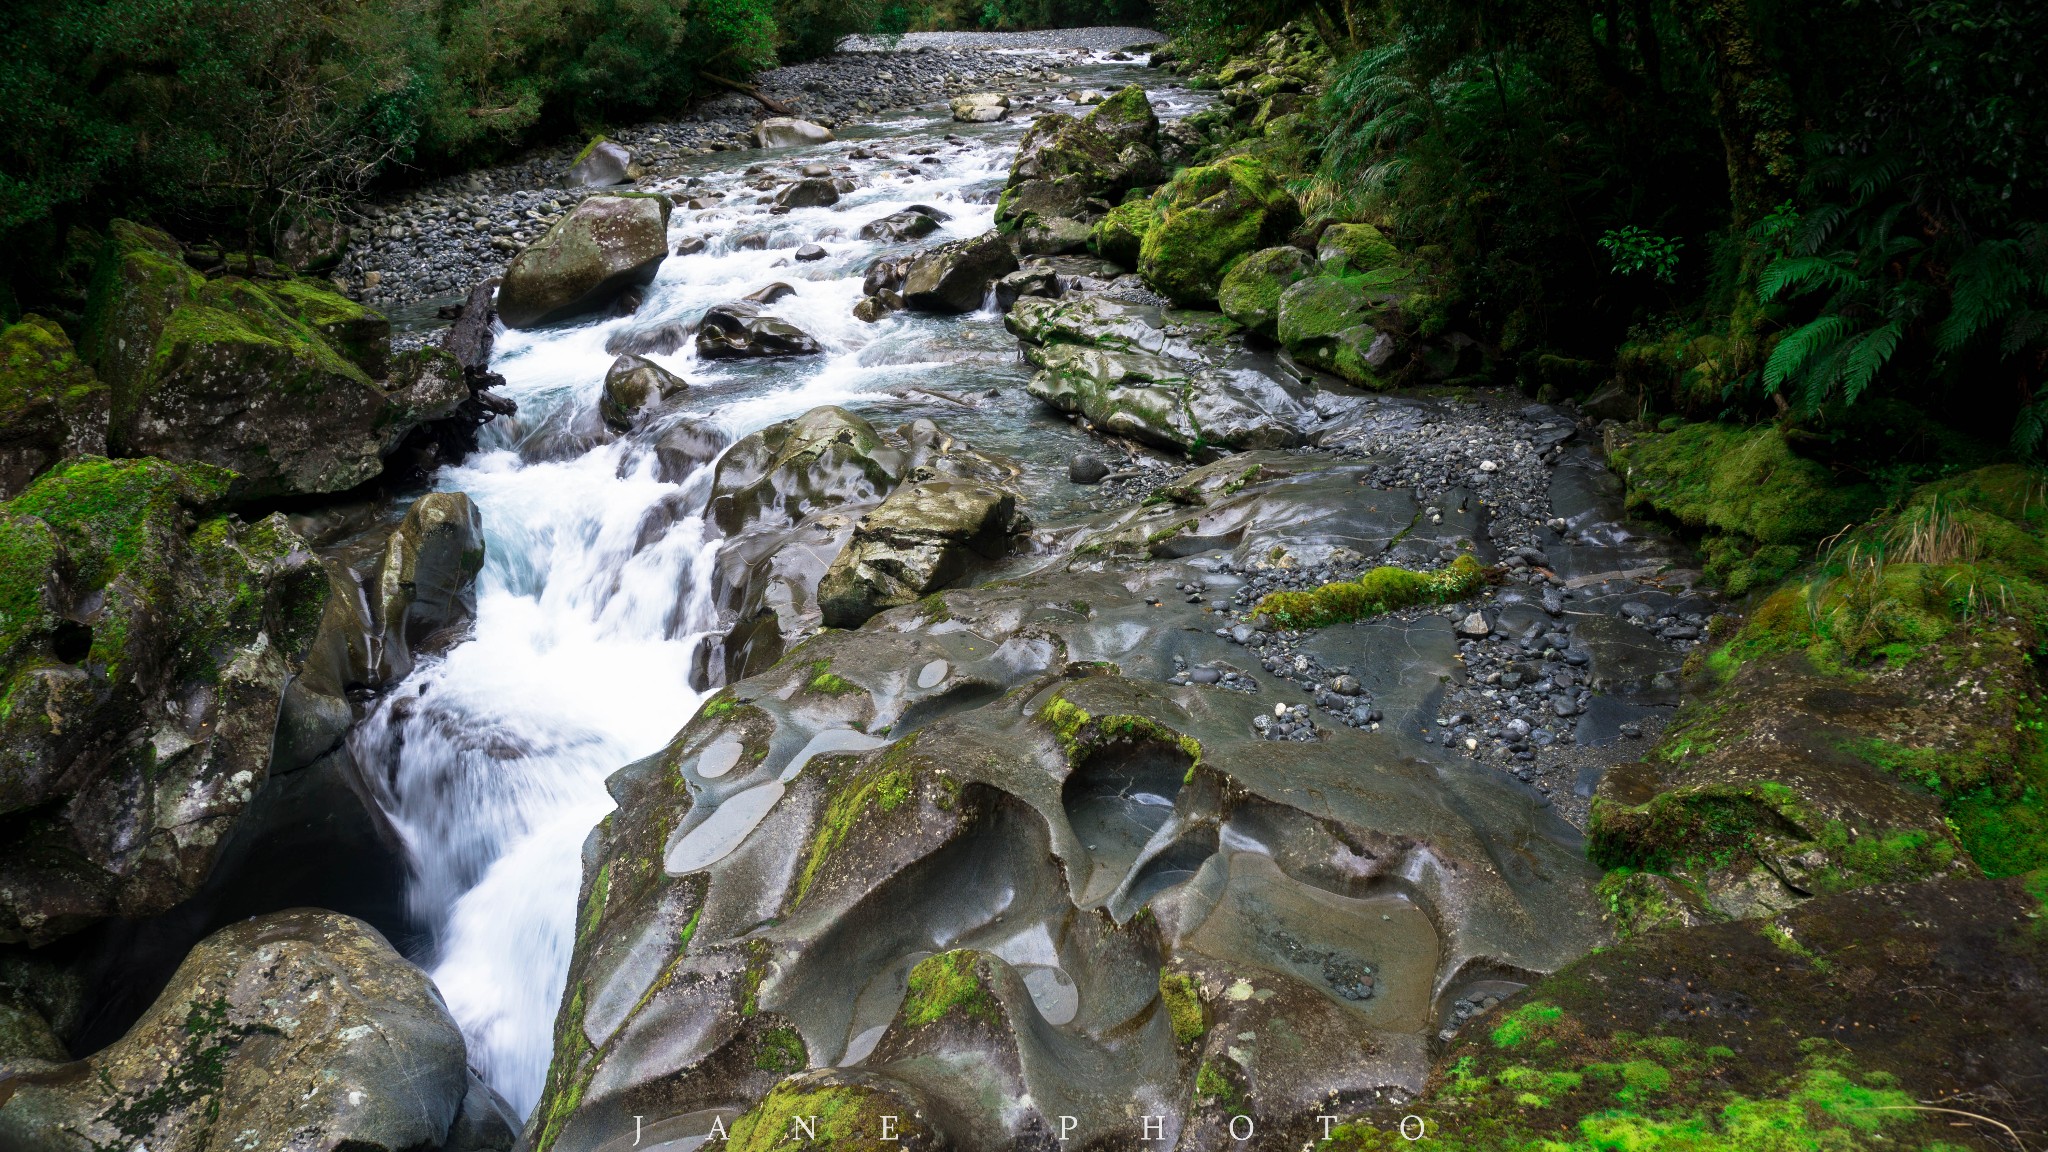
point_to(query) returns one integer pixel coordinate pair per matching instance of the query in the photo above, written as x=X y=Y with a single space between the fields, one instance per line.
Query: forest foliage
x=1752 y=208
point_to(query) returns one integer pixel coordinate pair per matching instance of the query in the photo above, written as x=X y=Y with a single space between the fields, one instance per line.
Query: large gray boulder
x=601 y=165
x=301 y=1031
x=143 y=657
x=790 y=132
x=955 y=277
x=920 y=539
x=426 y=587
x=607 y=244
x=281 y=380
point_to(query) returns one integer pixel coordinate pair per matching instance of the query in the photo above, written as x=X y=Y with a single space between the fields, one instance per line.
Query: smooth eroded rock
x=605 y=245
x=632 y=385
x=790 y=132
x=743 y=329
x=955 y=277
x=920 y=539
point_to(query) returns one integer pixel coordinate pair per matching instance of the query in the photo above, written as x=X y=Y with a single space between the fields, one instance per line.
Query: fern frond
x=1797 y=348
x=1866 y=355
x=1802 y=274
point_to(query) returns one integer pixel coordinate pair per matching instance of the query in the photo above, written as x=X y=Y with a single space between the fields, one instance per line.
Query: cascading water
x=597 y=588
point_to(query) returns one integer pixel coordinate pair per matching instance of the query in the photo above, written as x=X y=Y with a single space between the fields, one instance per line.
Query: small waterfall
x=597 y=590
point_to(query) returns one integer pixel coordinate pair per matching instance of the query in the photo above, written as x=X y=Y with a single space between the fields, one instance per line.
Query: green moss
x=946 y=984
x=104 y=509
x=1250 y=292
x=689 y=931
x=1380 y=590
x=1182 y=995
x=799 y=1116
x=1356 y=248
x=593 y=908
x=782 y=1051
x=41 y=375
x=1526 y=1024
x=750 y=979
x=825 y=683
x=1757 y=504
x=1080 y=733
x=1211 y=216
x=720 y=705
x=885 y=785
x=1215 y=1086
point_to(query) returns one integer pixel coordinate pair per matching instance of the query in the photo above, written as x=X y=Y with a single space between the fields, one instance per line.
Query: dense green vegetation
x=244 y=119
x=1761 y=210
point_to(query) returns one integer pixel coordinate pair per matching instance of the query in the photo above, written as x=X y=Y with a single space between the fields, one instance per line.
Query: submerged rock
x=301 y=1029
x=743 y=329
x=811 y=192
x=912 y=223
x=632 y=385
x=605 y=245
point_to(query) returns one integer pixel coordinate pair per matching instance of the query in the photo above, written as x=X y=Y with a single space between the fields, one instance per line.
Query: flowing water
x=596 y=595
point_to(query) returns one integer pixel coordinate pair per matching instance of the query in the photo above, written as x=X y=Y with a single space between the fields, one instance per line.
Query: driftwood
x=768 y=102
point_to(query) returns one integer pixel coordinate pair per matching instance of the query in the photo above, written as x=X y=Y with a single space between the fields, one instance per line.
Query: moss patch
x=1378 y=591
x=947 y=984
x=1182 y=995
x=885 y=785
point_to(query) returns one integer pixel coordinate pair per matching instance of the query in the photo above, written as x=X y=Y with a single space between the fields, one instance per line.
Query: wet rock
x=1355 y=248
x=51 y=405
x=869 y=309
x=300 y=1029
x=809 y=253
x=691 y=245
x=770 y=293
x=1026 y=282
x=1250 y=291
x=1330 y=323
x=1052 y=236
x=425 y=592
x=1060 y=165
x=1087 y=468
x=632 y=385
x=912 y=223
x=955 y=277
x=742 y=329
x=687 y=447
x=980 y=107
x=920 y=539
x=1209 y=217
x=605 y=245
x=808 y=193
x=662 y=340
x=601 y=164
x=789 y=132
x=1126 y=118
x=147 y=613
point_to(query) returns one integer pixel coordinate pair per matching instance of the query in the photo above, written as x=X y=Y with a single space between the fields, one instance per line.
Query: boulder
x=790 y=132
x=954 y=277
x=1120 y=235
x=686 y=447
x=1211 y=216
x=912 y=223
x=1333 y=325
x=1355 y=248
x=279 y=380
x=811 y=192
x=1250 y=292
x=1126 y=118
x=1052 y=236
x=51 y=405
x=1026 y=282
x=632 y=385
x=1060 y=165
x=606 y=244
x=870 y=309
x=601 y=164
x=131 y=606
x=425 y=590
x=1087 y=468
x=301 y=1029
x=921 y=538
x=742 y=329
x=313 y=241
x=980 y=107
x=810 y=253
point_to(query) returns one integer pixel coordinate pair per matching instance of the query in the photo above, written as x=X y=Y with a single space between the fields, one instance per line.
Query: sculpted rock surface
x=743 y=329
x=299 y=1030
x=426 y=587
x=632 y=385
x=145 y=643
x=918 y=540
x=605 y=245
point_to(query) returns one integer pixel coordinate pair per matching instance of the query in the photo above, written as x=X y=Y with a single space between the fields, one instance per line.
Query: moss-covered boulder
x=281 y=381
x=51 y=404
x=1355 y=248
x=1060 y=164
x=1250 y=292
x=921 y=538
x=605 y=245
x=1210 y=217
x=145 y=642
x=1126 y=118
x=302 y=1029
x=1334 y=324
x=1758 y=506
x=1120 y=234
